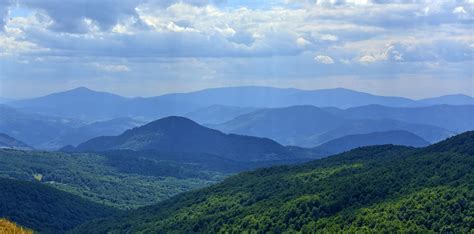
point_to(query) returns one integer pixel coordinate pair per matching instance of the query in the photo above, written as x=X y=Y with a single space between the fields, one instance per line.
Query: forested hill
x=179 y=134
x=45 y=209
x=373 y=189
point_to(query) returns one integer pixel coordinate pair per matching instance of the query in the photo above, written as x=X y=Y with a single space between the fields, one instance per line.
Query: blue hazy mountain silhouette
x=458 y=118
x=49 y=132
x=9 y=142
x=309 y=126
x=350 y=142
x=83 y=103
x=289 y=125
x=58 y=116
x=456 y=99
x=217 y=114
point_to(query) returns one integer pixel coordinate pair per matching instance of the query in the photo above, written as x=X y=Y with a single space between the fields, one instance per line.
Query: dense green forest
x=123 y=179
x=45 y=209
x=372 y=189
x=104 y=178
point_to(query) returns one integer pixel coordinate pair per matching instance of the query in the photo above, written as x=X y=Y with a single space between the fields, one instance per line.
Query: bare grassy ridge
x=7 y=227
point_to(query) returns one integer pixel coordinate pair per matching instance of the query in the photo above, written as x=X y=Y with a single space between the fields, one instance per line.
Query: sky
x=404 y=48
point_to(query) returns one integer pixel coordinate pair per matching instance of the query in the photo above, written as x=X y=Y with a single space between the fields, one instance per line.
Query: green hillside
x=45 y=209
x=372 y=189
x=120 y=179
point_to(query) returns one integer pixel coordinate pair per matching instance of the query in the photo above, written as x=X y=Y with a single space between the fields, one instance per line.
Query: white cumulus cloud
x=113 y=67
x=324 y=59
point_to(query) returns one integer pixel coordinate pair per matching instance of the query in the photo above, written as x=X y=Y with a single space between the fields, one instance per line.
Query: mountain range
x=378 y=189
x=179 y=134
x=86 y=104
x=353 y=191
x=457 y=118
x=72 y=117
x=49 y=132
x=309 y=126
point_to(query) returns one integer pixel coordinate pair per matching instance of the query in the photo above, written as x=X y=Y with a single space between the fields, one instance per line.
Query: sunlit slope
x=7 y=227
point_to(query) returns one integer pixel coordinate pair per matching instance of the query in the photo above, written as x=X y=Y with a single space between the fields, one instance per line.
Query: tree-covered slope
x=349 y=142
x=372 y=189
x=120 y=179
x=179 y=134
x=45 y=209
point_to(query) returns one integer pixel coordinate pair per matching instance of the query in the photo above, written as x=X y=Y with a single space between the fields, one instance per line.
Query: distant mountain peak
x=457 y=95
x=172 y=121
x=180 y=134
x=78 y=90
x=82 y=88
x=452 y=99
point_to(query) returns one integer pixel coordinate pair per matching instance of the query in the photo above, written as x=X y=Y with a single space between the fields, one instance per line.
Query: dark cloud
x=70 y=16
x=161 y=44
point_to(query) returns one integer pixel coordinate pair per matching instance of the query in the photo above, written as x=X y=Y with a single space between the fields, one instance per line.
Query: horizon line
x=224 y=87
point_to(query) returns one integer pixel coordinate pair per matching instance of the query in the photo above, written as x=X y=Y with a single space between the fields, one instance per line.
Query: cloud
x=149 y=28
x=366 y=59
x=9 y=46
x=113 y=67
x=324 y=59
x=228 y=41
x=78 y=16
x=459 y=10
x=328 y=37
x=301 y=42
